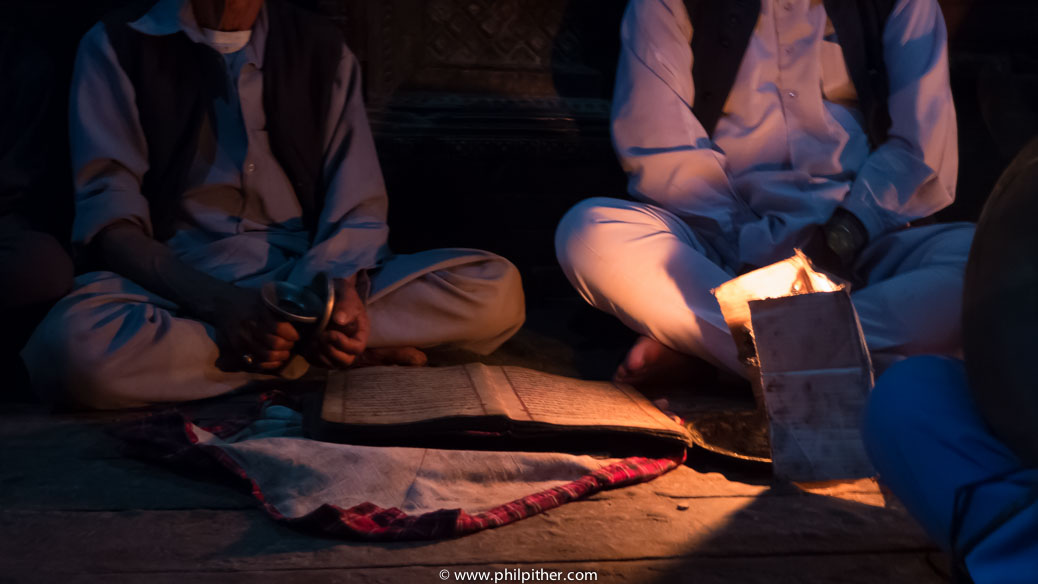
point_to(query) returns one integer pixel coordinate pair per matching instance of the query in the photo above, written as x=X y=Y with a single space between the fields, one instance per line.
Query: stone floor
x=73 y=509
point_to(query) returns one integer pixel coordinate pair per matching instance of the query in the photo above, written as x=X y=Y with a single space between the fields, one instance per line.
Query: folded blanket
x=381 y=493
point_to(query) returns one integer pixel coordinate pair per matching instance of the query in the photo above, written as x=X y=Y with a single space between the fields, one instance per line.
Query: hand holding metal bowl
x=308 y=308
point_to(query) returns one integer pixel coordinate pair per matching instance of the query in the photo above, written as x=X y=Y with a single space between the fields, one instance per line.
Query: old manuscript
x=801 y=340
x=466 y=405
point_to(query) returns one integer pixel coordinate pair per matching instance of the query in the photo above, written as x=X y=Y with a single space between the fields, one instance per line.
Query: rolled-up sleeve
x=911 y=175
x=352 y=231
x=665 y=150
x=109 y=151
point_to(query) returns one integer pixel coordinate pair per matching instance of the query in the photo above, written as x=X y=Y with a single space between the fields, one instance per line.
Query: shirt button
x=250 y=168
x=792 y=93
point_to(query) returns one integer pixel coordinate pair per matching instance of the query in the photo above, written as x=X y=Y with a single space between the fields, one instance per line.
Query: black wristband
x=845 y=235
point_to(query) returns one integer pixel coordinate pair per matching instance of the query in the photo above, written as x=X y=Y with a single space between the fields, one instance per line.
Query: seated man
x=958 y=442
x=751 y=129
x=967 y=486
x=218 y=145
x=34 y=267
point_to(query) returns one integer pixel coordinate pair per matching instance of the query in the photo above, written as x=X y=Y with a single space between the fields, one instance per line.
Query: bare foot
x=407 y=356
x=650 y=363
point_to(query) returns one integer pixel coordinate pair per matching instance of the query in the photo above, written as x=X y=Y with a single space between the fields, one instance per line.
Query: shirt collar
x=168 y=17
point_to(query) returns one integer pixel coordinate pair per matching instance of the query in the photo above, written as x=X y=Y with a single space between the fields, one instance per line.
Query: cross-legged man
x=749 y=129
x=218 y=145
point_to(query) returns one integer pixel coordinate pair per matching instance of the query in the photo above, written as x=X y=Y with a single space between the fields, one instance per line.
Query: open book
x=479 y=406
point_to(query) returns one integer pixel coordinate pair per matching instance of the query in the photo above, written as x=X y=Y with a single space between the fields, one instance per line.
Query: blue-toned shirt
x=790 y=146
x=239 y=219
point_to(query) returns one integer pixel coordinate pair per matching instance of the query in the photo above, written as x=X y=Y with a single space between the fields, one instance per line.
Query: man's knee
x=959 y=239
x=585 y=229
x=949 y=245
x=68 y=365
x=500 y=306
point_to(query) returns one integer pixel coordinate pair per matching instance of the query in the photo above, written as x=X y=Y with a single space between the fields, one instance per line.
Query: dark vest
x=722 y=31
x=176 y=81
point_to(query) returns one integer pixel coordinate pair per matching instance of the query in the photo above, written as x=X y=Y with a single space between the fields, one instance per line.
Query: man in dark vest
x=750 y=128
x=219 y=145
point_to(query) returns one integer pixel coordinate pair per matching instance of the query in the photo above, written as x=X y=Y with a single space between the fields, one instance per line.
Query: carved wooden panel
x=521 y=48
x=503 y=34
x=559 y=48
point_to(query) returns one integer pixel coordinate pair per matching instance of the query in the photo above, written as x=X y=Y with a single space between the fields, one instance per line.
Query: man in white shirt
x=788 y=164
x=217 y=146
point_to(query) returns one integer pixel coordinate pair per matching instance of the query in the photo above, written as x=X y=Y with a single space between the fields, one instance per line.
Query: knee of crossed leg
x=953 y=247
x=70 y=365
x=502 y=307
x=581 y=231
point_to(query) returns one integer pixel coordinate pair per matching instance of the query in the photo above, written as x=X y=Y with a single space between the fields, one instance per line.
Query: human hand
x=346 y=337
x=251 y=334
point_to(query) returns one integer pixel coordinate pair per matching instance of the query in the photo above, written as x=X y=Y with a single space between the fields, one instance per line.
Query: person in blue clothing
x=957 y=440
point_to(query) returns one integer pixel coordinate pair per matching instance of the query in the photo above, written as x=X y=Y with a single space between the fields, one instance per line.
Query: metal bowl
x=306 y=305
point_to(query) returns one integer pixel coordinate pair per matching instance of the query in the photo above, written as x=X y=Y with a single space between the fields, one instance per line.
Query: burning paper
x=799 y=335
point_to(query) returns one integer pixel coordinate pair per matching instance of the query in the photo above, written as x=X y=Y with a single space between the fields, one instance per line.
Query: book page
x=815 y=375
x=554 y=399
x=399 y=395
x=496 y=392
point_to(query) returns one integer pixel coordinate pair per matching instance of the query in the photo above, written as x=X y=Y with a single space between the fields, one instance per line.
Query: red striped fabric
x=170 y=439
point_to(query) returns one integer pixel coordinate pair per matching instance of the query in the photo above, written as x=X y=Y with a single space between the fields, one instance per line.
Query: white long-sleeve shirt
x=790 y=146
x=239 y=219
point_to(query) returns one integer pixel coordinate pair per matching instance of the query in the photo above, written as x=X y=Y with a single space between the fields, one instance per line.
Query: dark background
x=491 y=116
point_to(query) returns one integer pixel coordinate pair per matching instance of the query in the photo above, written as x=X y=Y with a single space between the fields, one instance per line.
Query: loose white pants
x=113 y=344
x=647 y=267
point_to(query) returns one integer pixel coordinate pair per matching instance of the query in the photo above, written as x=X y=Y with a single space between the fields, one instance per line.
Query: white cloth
x=297 y=475
x=113 y=344
x=790 y=146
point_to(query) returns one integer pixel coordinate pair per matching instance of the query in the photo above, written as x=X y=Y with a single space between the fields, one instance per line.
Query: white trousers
x=112 y=344
x=648 y=268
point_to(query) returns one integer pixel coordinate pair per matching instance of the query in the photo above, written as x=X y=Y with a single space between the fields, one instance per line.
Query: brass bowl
x=309 y=306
